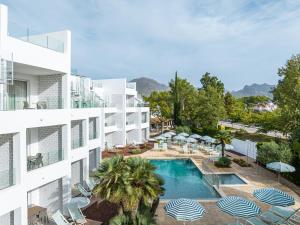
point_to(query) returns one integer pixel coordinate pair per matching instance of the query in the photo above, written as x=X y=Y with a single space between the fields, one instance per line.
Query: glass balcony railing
x=130 y=122
x=77 y=143
x=108 y=124
x=143 y=104
x=11 y=103
x=131 y=85
x=93 y=135
x=7 y=178
x=78 y=104
x=130 y=104
x=42 y=159
x=29 y=35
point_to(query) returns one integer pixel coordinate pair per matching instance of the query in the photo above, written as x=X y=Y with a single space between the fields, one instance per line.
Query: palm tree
x=128 y=183
x=146 y=184
x=223 y=138
x=114 y=185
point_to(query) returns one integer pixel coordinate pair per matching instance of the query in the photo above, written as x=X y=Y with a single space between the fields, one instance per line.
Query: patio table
x=81 y=202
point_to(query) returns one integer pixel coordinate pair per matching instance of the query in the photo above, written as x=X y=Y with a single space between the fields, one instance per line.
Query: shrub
x=184 y=129
x=223 y=162
x=136 y=151
x=242 y=162
x=268 y=152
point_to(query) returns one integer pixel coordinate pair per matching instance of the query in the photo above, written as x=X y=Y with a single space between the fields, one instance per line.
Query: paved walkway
x=256 y=177
x=251 y=129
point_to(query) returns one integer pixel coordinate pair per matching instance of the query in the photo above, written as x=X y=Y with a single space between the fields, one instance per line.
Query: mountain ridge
x=145 y=85
x=255 y=90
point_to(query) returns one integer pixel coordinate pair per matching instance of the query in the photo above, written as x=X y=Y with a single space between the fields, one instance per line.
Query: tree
x=223 y=137
x=268 y=152
x=114 y=184
x=183 y=96
x=176 y=101
x=145 y=183
x=229 y=102
x=287 y=94
x=212 y=81
x=210 y=106
x=160 y=105
x=129 y=183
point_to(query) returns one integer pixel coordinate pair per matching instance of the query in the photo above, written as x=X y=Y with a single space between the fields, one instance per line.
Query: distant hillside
x=254 y=90
x=146 y=85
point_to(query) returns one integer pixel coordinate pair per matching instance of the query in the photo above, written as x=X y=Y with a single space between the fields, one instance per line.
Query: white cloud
x=240 y=41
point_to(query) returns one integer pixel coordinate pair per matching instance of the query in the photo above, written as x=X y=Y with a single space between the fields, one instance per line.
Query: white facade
x=53 y=125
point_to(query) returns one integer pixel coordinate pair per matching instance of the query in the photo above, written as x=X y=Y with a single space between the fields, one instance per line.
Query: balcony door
x=17 y=94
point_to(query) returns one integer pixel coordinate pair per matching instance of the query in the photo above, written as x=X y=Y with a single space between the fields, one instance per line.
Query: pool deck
x=256 y=177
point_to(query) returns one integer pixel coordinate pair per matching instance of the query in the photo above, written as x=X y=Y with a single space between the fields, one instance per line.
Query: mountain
x=254 y=90
x=145 y=86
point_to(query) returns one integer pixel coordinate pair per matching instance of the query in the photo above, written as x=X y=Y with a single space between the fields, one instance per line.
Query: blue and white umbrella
x=171 y=133
x=274 y=197
x=208 y=139
x=179 y=138
x=191 y=140
x=280 y=167
x=160 y=138
x=184 y=209
x=183 y=134
x=167 y=135
x=238 y=207
x=195 y=136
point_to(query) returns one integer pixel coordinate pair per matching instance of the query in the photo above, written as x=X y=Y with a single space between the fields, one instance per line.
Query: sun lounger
x=83 y=191
x=76 y=214
x=90 y=183
x=164 y=147
x=255 y=221
x=59 y=219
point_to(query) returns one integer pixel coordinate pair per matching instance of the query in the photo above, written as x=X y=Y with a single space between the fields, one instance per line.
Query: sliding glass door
x=17 y=94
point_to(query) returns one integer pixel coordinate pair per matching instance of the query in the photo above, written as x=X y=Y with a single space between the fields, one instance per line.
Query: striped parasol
x=274 y=197
x=195 y=136
x=184 y=209
x=191 y=140
x=238 y=207
x=183 y=134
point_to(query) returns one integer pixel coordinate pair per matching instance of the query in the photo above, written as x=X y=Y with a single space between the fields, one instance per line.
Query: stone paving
x=257 y=177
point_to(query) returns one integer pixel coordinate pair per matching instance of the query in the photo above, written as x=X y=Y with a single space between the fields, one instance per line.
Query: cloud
x=240 y=41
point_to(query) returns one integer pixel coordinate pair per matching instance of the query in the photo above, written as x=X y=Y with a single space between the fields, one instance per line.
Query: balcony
x=7 y=178
x=130 y=104
x=131 y=85
x=77 y=143
x=143 y=104
x=79 y=104
x=44 y=159
x=49 y=41
x=11 y=103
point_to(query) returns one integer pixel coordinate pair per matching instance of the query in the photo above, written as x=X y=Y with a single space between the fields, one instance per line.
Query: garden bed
x=128 y=150
x=101 y=211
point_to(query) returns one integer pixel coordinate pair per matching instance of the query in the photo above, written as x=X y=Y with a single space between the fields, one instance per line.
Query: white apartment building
x=54 y=125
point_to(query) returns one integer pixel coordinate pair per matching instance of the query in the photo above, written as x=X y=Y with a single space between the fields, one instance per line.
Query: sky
x=240 y=41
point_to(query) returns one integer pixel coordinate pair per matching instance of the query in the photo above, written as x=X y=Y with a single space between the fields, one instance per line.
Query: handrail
x=211 y=177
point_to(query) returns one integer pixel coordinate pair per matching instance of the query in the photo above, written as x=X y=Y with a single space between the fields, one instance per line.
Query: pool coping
x=220 y=192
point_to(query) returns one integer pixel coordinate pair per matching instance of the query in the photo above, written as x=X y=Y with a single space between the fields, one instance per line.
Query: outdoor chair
x=284 y=212
x=59 y=219
x=277 y=215
x=76 y=214
x=90 y=183
x=25 y=105
x=155 y=146
x=84 y=192
x=185 y=149
x=164 y=147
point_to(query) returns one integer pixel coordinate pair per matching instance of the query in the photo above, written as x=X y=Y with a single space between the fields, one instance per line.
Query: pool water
x=230 y=179
x=183 y=180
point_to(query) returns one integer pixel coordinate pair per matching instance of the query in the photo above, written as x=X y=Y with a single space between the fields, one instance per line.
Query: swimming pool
x=183 y=180
x=230 y=179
